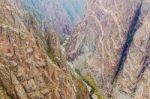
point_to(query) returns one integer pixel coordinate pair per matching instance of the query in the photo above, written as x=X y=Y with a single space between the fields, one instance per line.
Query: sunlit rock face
x=27 y=70
x=112 y=42
x=61 y=15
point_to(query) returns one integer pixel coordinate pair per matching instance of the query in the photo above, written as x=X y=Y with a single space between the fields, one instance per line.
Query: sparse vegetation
x=3 y=94
x=91 y=83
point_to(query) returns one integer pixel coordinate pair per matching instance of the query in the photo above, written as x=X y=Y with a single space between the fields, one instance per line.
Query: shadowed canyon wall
x=60 y=15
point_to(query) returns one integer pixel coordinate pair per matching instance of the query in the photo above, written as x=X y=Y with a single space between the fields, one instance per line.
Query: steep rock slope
x=111 y=43
x=61 y=15
x=26 y=71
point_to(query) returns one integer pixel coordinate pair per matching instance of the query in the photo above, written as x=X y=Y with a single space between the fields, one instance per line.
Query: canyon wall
x=60 y=15
x=28 y=70
x=111 y=43
x=74 y=49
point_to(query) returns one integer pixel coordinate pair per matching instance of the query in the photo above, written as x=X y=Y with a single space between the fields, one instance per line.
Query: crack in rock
x=130 y=35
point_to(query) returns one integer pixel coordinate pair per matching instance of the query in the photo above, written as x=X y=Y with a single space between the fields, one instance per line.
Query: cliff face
x=26 y=69
x=111 y=43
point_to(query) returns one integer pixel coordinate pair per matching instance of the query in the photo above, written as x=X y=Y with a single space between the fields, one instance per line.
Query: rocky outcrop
x=112 y=44
x=26 y=71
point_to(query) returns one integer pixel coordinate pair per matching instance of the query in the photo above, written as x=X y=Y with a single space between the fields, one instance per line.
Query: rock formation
x=74 y=49
x=26 y=71
x=112 y=44
x=61 y=15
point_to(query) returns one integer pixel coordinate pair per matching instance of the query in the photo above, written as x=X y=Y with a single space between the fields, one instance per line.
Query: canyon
x=74 y=49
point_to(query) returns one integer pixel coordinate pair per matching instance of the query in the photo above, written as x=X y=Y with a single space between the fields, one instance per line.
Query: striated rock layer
x=26 y=71
x=112 y=44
